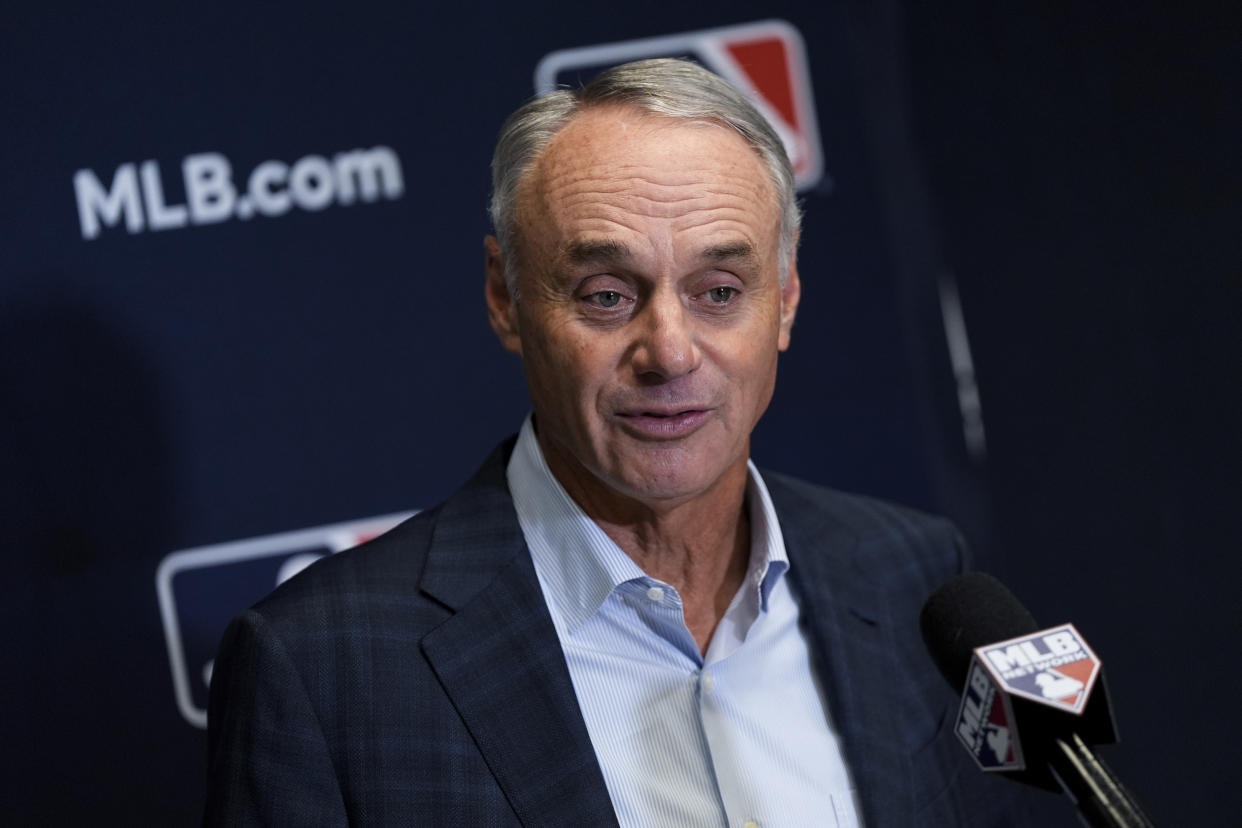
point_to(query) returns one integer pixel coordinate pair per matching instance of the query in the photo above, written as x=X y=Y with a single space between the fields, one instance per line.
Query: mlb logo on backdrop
x=200 y=589
x=765 y=60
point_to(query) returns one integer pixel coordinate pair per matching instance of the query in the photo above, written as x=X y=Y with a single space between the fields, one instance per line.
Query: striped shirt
x=737 y=737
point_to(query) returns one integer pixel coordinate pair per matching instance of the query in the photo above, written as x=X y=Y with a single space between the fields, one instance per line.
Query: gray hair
x=663 y=86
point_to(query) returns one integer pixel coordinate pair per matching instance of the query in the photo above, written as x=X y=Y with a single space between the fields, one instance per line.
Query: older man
x=618 y=620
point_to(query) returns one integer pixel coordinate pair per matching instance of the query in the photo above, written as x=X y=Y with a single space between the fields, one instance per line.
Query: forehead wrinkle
x=626 y=193
x=565 y=182
x=648 y=186
x=722 y=220
x=690 y=211
x=590 y=232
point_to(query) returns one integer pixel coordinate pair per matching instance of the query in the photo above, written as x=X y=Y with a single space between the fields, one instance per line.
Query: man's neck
x=699 y=546
x=705 y=560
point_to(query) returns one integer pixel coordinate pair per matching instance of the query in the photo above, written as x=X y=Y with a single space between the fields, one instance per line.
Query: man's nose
x=667 y=346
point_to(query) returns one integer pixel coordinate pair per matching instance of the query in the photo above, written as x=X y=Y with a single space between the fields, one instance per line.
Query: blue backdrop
x=241 y=315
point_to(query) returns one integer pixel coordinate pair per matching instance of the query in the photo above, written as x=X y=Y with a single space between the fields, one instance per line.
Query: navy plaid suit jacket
x=417 y=679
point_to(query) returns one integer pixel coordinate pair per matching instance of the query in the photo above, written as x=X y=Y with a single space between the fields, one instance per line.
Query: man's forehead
x=656 y=165
x=613 y=133
x=612 y=251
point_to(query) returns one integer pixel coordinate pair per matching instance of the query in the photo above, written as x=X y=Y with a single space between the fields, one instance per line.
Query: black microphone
x=1033 y=701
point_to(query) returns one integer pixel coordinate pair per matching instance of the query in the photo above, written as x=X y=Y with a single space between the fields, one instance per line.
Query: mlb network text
x=1026 y=657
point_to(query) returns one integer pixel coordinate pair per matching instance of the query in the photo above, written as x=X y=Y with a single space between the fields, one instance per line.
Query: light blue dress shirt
x=738 y=737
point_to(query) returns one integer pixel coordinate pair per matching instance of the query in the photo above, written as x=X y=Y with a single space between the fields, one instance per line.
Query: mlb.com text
x=137 y=196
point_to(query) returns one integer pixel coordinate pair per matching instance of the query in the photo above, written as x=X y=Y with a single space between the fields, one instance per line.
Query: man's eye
x=607 y=298
x=721 y=294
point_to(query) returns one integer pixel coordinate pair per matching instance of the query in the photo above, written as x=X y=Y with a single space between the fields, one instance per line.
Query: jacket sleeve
x=268 y=761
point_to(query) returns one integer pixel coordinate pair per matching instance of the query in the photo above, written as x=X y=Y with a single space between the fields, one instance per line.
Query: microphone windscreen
x=969 y=611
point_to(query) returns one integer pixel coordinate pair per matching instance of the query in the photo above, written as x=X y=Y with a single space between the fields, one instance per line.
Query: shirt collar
x=580 y=565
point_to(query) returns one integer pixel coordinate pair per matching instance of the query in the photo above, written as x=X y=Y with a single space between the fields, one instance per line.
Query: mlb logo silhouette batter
x=765 y=60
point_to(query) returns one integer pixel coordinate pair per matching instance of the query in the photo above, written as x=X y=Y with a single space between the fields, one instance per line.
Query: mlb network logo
x=766 y=61
x=201 y=589
x=1054 y=667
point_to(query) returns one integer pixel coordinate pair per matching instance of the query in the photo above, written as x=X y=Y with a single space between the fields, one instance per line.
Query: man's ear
x=791 y=293
x=501 y=307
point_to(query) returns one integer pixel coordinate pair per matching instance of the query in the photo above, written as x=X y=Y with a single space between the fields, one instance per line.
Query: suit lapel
x=500 y=662
x=844 y=612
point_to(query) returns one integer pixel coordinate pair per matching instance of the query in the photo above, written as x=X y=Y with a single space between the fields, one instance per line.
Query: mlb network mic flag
x=765 y=60
x=1052 y=667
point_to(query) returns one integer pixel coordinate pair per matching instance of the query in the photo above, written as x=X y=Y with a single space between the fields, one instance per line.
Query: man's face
x=650 y=311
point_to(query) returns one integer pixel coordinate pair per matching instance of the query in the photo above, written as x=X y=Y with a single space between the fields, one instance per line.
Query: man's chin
x=666 y=485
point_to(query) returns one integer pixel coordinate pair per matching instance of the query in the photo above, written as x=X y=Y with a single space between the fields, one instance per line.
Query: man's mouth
x=663 y=423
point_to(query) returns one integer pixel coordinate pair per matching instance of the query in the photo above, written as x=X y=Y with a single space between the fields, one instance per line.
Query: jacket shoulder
x=367 y=581
x=863 y=515
x=884 y=534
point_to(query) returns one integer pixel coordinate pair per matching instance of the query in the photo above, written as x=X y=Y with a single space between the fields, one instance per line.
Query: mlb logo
x=201 y=589
x=985 y=724
x=766 y=61
x=1053 y=667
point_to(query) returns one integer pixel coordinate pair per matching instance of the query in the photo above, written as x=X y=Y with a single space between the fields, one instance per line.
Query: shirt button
x=709 y=682
x=655 y=595
x=750 y=823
